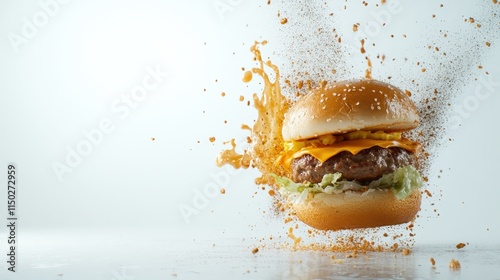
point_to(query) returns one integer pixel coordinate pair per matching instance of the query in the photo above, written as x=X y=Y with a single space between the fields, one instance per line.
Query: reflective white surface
x=126 y=256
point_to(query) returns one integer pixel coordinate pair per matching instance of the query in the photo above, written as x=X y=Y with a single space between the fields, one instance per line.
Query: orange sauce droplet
x=247 y=77
x=231 y=157
x=368 y=72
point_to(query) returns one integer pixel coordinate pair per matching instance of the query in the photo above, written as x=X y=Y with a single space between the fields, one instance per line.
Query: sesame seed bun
x=350 y=106
x=357 y=210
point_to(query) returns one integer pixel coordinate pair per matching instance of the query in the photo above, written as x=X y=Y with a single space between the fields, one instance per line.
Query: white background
x=80 y=61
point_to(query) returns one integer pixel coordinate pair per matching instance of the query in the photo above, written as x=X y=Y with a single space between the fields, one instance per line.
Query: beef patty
x=367 y=165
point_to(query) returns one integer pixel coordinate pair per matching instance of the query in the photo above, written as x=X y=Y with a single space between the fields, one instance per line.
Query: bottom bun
x=353 y=210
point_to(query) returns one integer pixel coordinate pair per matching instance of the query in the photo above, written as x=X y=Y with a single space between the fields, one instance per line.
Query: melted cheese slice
x=352 y=146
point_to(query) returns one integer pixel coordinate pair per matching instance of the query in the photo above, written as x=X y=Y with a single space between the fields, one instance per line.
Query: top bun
x=349 y=106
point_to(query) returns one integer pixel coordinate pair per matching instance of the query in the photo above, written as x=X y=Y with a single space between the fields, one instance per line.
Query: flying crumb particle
x=272 y=192
x=488 y=44
x=454 y=264
x=352 y=256
x=355 y=27
x=433 y=262
x=242 y=98
x=460 y=245
x=284 y=21
x=428 y=193
x=211 y=139
x=222 y=94
x=423 y=69
x=332 y=257
x=472 y=20
x=255 y=250
x=406 y=252
x=408 y=92
x=153 y=138
x=383 y=1
x=222 y=191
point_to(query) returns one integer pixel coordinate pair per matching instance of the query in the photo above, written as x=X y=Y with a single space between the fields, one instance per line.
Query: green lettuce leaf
x=403 y=181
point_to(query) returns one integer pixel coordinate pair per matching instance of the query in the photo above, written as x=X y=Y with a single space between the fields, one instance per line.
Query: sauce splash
x=266 y=139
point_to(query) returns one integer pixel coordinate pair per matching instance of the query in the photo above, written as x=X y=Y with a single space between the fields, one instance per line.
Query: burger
x=348 y=161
